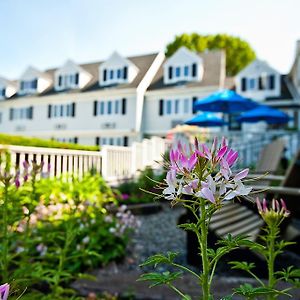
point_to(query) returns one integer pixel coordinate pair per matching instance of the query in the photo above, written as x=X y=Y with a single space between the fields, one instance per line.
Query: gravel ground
x=158 y=233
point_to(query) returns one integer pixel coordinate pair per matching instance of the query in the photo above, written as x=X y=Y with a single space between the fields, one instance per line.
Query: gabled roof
x=142 y=62
x=185 y=53
x=257 y=66
x=69 y=65
x=213 y=75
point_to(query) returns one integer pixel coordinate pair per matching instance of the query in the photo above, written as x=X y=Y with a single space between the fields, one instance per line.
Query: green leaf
x=229 y=297
x=242 y=265
x=160 y=278
x=160 y=259
x=249 y=291
x=188 y=226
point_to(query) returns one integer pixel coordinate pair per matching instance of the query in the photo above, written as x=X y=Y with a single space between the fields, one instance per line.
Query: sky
x=45 y=33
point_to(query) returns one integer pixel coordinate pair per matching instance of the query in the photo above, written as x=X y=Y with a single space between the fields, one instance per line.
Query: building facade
x=122 y=99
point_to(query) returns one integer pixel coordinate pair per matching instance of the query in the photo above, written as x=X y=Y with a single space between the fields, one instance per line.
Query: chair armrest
x=278 y=190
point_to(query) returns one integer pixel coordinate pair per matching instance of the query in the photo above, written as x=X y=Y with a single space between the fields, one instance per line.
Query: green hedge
x=6 y=139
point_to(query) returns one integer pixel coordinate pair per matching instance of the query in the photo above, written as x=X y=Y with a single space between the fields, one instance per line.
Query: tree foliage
x=238 y=52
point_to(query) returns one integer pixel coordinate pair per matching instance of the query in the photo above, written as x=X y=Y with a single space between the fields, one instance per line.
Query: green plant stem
x=178 y=292
x=186 y=269
x=5 y=234
x=202 y=238
x=271 y=258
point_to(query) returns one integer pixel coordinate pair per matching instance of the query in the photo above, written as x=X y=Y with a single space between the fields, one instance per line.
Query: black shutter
x=75 y=140
x=76 y=78
x=97 y=141
x=34 y=84
x=161 y=107
x=194 y=106
x=104 y=74
x=260 y=83
x=95 y=107
x=244 y=84
x=271 y=82
x=125 y=71
x=49 y=111
x=73 y=109
x=170 y=74
x=30 y=112
x=124 y=106
x=194 y=70
x=125 y=141
x=59 y=80
x=11 y=113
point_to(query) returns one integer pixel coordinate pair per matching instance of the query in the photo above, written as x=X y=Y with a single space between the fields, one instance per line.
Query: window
x=61 y=110
x=68 y=81
x=177 y=71
x=109 y=107
x=103 y=141
x=186 y=106
x=176 y=106
x=252 y=83
x=111 y=141
x=2 y=93
x=168 y=107
x=119 y=73
x=186 y=71
x=117 y=107
x=111 y=74
x=28 y=85
x=0 y=117
x=119 y=141
x=21 y=113
x=101 y=108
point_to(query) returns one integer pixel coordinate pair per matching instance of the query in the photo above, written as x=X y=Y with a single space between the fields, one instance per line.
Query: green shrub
x=131 y=191
x=6 y=139
x=60 y=228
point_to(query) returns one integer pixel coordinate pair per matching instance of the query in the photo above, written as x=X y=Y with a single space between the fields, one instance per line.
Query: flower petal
x=207 y=194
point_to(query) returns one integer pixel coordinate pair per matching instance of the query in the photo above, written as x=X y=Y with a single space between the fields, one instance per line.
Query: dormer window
x=28 y=86
x=68 y=81
x=117 y=70
x=71 y=76
x=184 y=65
x=33 y=81
x=259 y=81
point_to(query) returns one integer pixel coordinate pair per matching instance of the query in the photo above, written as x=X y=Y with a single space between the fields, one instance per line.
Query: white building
x=262 y=83
x=122 y=99
x=116 y=101
x=180 y=81
x=96 y=103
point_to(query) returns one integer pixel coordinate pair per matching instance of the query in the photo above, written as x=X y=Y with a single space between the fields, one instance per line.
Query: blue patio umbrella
x=206 y=120
x=226 y=101
x=264 y=113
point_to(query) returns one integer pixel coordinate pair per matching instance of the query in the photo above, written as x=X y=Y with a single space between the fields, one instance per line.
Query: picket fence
x=114 y=163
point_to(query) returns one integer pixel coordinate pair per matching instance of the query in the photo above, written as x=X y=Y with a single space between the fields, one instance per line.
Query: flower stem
x=202 y=238
x=5 y=234
x=271 y=258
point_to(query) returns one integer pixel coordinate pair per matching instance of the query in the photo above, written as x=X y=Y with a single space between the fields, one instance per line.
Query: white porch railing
x=113 y=162
x=117 y=163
